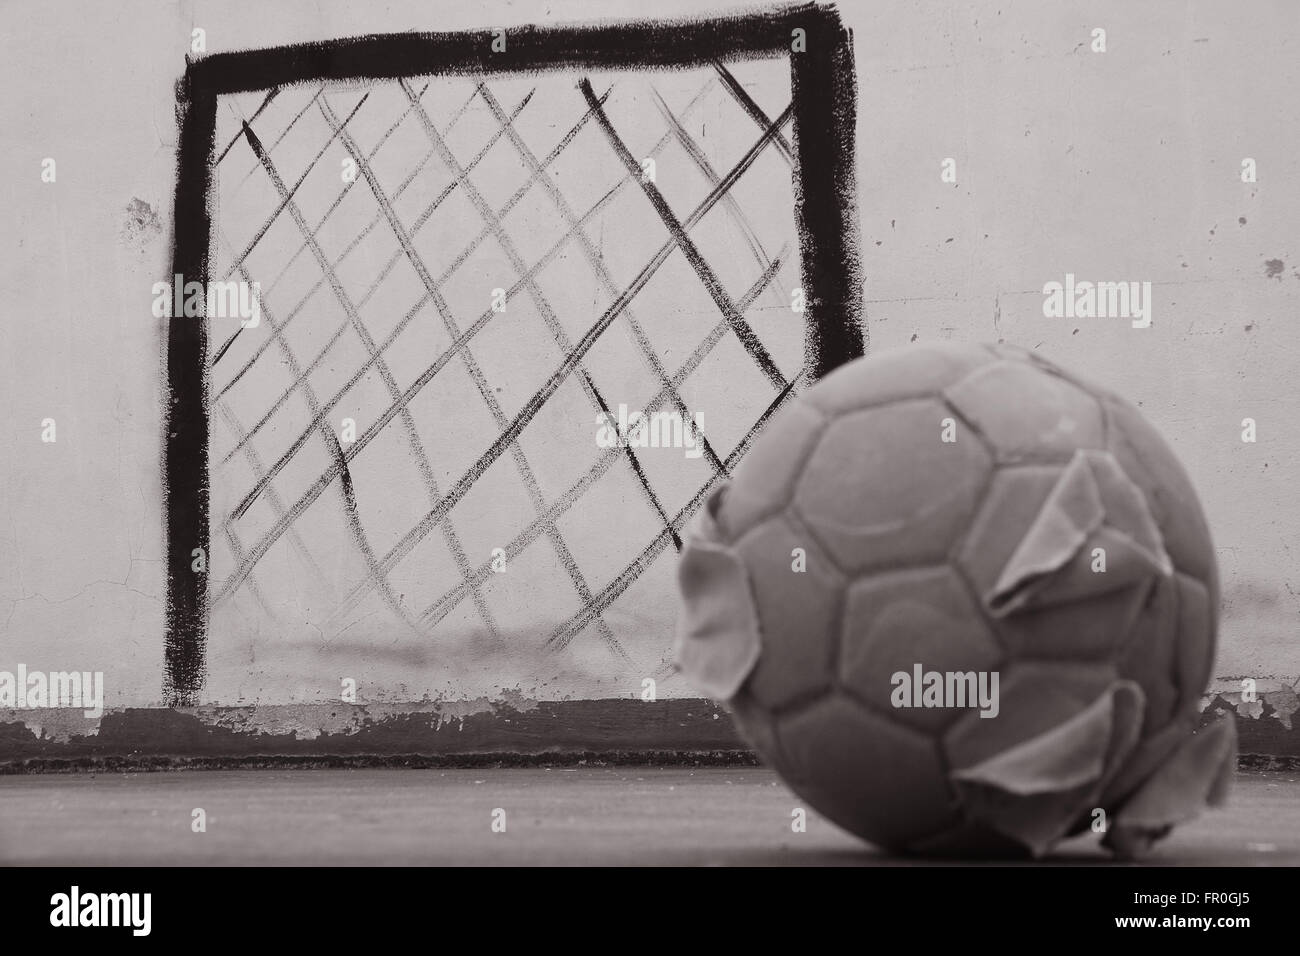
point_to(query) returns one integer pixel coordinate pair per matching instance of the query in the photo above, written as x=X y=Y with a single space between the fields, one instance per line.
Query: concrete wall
x=1116 y=165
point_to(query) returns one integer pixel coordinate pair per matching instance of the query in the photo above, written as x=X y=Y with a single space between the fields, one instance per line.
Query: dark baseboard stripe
x=514 y=733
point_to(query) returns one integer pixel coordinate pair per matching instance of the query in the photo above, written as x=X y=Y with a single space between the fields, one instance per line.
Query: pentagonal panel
x=912 y=372
x=1027 y=413
x=798 y=612
x=874 y=777
x=893 y=622
x=883 y=489
x=764 y=480
x=1150 y=654
x=1033 y=698
x=1148 y=461
x=1196 y=632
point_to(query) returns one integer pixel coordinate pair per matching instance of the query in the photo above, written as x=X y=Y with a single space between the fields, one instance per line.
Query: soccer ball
x=964 y=603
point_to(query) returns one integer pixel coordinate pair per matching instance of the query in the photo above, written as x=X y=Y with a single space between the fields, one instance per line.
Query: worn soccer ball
x=964 y=603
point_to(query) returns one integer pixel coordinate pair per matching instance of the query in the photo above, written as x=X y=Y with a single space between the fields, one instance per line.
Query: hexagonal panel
x=1196 y=633
x=1033 y=698
x=894 y=621
x=883 y=490
x=1153 y=467
x=798 y=613
x=764 y=480
x=1027 y=413
x=1017 y=353
x=875 y=778
x=1013 y=500
x=1149 y=654
x=915 y=371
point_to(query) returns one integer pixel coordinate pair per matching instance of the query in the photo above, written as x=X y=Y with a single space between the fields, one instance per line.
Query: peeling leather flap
x=717 y=641
x=1093 y=505
x=1035 y=791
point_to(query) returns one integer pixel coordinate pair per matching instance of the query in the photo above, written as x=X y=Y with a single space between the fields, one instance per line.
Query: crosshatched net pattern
x=383 y=429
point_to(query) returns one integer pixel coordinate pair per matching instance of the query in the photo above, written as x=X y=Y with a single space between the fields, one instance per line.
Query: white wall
x=1122 y=165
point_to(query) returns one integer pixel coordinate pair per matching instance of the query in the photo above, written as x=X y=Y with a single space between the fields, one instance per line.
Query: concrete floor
x=607 y=815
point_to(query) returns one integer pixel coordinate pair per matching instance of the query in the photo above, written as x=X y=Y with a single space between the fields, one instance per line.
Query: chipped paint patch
x=1253 y=709
x=1284 y=702
x=301 y=721
x=1273 y=698
x=1266 y=726
x=58 y=724
x=311 y=721
x=296 y=721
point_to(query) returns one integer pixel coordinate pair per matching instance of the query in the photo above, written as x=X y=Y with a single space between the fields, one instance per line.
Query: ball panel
x=883 y=490
x=1068 y=607
x=1028 y=414
x=869 y=775
x=1014 y=498
x=912 y=372
x=764 y=480
x=1089 y=629
x=1147 y=460
x=758 y=727
x=1016 y=353
x=894 y=621
x=798 y=612
x=1195 y=643
x=971 y=839
x=1150 y=654
x=1034 y=697
x=1149 y=754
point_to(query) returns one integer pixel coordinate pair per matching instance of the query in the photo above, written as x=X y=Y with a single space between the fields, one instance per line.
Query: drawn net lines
x=442 y=503
x=330 y=440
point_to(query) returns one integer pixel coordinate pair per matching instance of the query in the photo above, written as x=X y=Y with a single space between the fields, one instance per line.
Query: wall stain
x=141 y=224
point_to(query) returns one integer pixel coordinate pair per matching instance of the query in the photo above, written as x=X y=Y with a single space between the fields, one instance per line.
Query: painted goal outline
x=822 y=116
